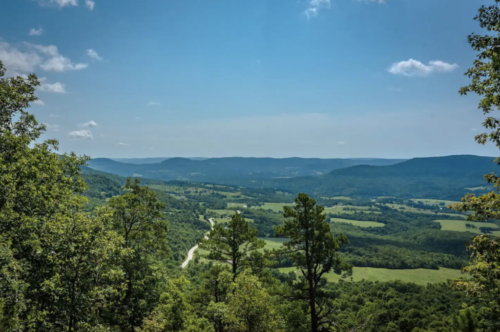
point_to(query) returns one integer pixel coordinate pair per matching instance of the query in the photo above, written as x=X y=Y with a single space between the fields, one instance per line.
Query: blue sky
x=318 y=78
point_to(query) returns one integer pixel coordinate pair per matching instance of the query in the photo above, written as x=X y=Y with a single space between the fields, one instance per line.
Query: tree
x=213 y=293
x=233 y=243
x=485 y=82
x=250 y=308
x=175 y=313
x=314 y=251
x=138 y=218
x=56 y=262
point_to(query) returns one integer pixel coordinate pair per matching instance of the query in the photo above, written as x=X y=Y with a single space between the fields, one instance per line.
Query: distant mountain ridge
x=446 y=177
x=234 y=169
x=434 y=177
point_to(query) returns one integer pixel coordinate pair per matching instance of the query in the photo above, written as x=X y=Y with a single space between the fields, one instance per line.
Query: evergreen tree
x=233 y=243
x=314 y=251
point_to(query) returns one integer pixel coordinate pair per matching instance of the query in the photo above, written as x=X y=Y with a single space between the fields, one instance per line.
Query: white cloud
x=154 y=103
x=341 y=143
x=473 y=129
x=123 y=144
x=15 y=60
x=57 y=87
x=52 y=127
x=90 y=4
x=93 y=54
x=413 y=67
x=60 y=63
x=151 y=149
x=54 y=61
x=81 y=134
x=314 y=6
x=60 y=3
x=36 y=32
x=88 y=124
x=29 y=56
x=39 y=102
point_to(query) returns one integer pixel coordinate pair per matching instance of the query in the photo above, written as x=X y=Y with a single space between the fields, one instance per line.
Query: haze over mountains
x=224 y=169
x=448 y=177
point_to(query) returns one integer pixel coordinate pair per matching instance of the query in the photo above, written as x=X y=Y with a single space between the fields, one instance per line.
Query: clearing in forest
x=360 y=223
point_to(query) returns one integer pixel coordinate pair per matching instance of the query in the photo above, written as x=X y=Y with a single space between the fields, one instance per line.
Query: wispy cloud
x=36 y=32
x=154 y=103
x=52 y=127
x=341 y=143
x=56 y=87
x=93 y=54
x=123 y=144
x=90 y=4
x=81 y=134
x=314 y=6
x=54 y=115
x=28 y=57
x=58 y=3
x=413 y=67
x=89 y=124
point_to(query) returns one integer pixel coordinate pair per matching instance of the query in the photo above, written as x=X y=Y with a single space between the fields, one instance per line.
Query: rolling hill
x=234 y=170
x=436 y=177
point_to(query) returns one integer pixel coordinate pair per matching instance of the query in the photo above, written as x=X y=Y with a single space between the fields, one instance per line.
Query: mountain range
x=448 y=177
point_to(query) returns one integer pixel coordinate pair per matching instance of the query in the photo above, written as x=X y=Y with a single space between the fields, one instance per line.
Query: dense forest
x=85 y=250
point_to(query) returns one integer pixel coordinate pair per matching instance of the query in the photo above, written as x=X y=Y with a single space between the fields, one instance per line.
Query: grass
x=236 y=205
x=275 y=207
x=350 y=209
x=434 y=201
x=358 y=222
x=223 y=212
x=459 y=226
x=418 y=276
x=345 y=198
x=273 y=243
x=404 y=208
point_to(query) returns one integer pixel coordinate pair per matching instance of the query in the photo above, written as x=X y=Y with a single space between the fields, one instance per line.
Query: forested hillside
x=231 y=170
x=385 y=247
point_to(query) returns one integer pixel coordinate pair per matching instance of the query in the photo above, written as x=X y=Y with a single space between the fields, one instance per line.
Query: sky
x=249 y=78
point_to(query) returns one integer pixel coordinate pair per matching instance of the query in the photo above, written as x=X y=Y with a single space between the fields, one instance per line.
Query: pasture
x=358 y=222
x=434 y=201
x=418 y=276
x=460 y=226
x=275 y=207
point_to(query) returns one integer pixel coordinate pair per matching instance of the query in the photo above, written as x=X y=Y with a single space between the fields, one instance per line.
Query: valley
x=419 y=238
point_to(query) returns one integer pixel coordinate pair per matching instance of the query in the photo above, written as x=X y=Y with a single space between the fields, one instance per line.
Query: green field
x=274 y=243
x=434 y=201
x=236 y=205
x=358 y=223
x=459 y=226
x=275 y=207
x=224 y=212
x=404 y=208
x=418 y=276
x=344 y=209
x=345 y=198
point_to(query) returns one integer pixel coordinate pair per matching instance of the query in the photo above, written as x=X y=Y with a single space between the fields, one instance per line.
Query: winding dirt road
x=193 y=249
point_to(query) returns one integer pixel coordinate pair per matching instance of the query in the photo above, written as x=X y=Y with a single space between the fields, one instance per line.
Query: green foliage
x=175 y=313
x=138 y=218
x=57 y=263
x=235 y=243
x=250 y=308
x=314 y=251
